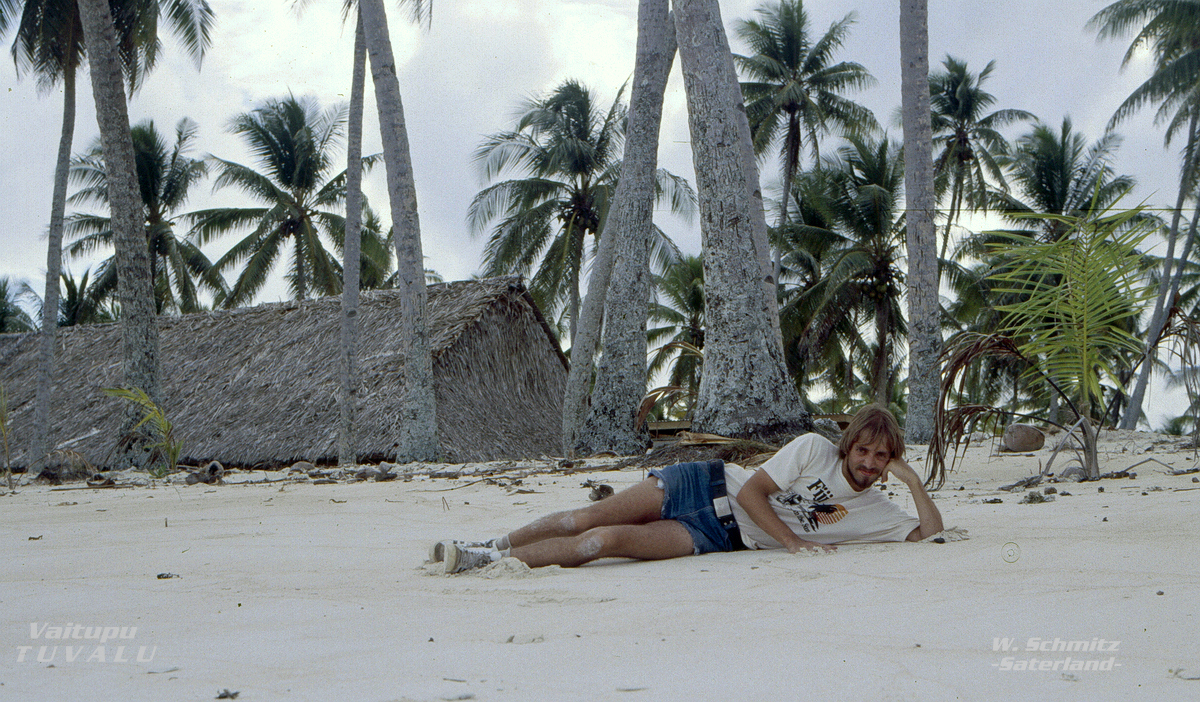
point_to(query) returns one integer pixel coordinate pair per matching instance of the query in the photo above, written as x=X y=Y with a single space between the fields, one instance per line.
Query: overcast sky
x=464 y=77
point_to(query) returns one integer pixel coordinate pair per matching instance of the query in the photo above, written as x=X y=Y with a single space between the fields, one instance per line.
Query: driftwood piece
x=1024 y=483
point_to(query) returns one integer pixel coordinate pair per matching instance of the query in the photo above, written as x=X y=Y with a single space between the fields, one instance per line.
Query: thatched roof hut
x=258 y=386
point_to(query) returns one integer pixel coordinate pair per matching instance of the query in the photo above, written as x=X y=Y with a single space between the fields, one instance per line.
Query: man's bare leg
x=665 y=538
x=639 y=504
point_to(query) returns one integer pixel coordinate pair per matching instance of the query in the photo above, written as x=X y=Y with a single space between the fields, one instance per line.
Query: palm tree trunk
x=43 y=438
x=952 y=213
x=1055 y=410
x=418 y=409
x=745 y=389
x=768 y=278
x=577 y=238
x=621 y=377
x=1185 y=255
x=139 y=328
x=789 y=174
x=924 y=333
x=1133 y=411
x=882 y=365
x=158 y=295
x=585 y=344
x=352 y=244
x=301 y=272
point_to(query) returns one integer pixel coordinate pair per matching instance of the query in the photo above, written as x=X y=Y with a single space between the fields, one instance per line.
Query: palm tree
x=1171 y=28
x=293 y=140
x=816 y=351
x=80 y=304
x=139 y=330
x=348 y=352
x=418 y=436
x=678 y=311
x=925 y=340
x=966 y=166
x=570 y=153
x=745 y=390
x=50 y=44
x=165 y=177
x=376 y=255
x=859 y=199
x=12 y=317
x=77 y=303
x=1057 y=173
x=795 y=91
x=972 y=309
x=613 y=421
x=348 y=373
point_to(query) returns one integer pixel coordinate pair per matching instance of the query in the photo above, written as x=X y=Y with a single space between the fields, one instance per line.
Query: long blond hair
x=870 y=424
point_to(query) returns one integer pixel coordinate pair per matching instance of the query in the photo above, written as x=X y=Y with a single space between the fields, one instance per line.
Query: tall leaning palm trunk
x=418 y=411
x=924 y=333
x=745 y=389
x=48 y=340
x=139 y=331
x=625 y=251
x=1168 y=285
x=1171 y=30
x=348 y=371
x=50 y=41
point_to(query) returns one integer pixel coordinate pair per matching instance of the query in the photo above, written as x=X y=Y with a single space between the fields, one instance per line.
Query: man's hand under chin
x=927 y=512
x=903 y=472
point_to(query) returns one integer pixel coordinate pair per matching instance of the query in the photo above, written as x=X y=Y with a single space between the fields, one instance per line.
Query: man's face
x=865 y=462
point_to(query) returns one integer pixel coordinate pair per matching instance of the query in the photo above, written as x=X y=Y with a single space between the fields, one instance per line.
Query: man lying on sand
x=809 y=495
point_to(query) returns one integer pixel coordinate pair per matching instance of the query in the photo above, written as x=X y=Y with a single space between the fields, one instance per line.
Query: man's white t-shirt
x=816 y=501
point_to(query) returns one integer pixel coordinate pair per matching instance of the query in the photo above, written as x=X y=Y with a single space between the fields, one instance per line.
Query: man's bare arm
x=753 y=498
x=927 y=512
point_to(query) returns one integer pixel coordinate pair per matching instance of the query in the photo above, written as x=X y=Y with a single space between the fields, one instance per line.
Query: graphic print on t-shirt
x=811 y=510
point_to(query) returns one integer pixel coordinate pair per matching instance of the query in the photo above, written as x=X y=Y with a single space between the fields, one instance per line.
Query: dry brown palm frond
x=954 y=426
x=668 y=394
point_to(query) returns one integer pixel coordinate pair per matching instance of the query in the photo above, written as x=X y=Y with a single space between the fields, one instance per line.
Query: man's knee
x=595 y=543
x=568 y=522
x=605 y=541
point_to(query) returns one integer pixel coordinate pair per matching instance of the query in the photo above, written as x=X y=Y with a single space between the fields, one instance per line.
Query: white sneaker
x=437 y=552
x=460 y=558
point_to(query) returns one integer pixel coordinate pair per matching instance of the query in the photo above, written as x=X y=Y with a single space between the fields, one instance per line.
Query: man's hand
x=927 y=512
x=903 y=472
x=753 y=498
x=797 y=545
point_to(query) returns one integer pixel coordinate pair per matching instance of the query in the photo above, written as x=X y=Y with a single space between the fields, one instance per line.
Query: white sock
x=500 y=543
x=495 y=556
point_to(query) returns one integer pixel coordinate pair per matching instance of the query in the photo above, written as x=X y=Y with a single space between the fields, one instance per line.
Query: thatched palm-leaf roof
x=258 y=386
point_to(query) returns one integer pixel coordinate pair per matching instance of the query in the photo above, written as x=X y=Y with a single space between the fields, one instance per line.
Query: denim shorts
x=688 y=499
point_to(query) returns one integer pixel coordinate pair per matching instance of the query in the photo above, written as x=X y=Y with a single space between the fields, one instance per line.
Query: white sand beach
x=300 y=591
